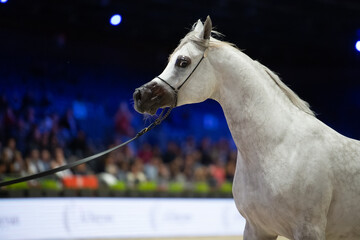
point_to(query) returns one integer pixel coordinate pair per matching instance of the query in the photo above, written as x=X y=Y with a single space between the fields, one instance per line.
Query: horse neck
x=257 y=111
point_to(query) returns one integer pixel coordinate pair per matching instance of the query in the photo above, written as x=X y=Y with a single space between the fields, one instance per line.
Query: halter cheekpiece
x=176 y=90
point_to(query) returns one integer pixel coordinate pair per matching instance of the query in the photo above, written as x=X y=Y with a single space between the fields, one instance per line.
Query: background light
x=115 y=19
x=357 y=46
x=3 y=1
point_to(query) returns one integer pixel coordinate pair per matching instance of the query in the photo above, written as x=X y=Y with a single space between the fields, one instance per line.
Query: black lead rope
x=165 y=112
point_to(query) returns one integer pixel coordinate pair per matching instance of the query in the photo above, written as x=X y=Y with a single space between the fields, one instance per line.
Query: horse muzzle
x=151 y=96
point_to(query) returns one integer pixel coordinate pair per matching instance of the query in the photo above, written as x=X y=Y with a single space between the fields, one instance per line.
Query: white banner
x=69 y=218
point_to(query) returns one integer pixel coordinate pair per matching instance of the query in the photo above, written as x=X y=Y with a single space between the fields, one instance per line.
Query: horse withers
x=295 y=176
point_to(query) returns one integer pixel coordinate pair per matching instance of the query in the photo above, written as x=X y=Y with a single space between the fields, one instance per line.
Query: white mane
x=293 y=97
x=215 y=43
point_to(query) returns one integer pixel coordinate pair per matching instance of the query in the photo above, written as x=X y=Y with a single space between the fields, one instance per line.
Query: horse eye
x=182 y=61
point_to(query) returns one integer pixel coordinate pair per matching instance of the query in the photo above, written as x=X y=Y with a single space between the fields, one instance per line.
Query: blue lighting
x=3 y=1
x=115 y=19
x=357 y=46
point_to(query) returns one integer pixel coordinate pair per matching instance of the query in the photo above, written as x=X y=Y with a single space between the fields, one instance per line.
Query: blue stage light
x=3 y=1
x=115 y=19
x=357 y=46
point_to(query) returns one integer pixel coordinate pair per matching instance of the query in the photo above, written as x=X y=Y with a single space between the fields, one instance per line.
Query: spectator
x=201 y=174
x=123 y=119
x=189 y=145
x=69 y=123
x=217 y=172
x=45 y=140
x=78 y=145
x=191 y=162
x=6 y=161
x=18 y=165
x=34 y=162
x=205 y=150
x=123 y=170
x=172 y=151
x=136 y=174
x=176 y=170
x=54 y=141
x=230 y=167
x=163 y=176
x=145 y=153
x=9 y=122
x=151 y=169
x=3 y=169
x=10 y=150
x=83 y=170
x=45 y=159
x=110 y=165
x=60 y=161
x=23 y=129
x=222 y=150
x=34 y=138
x=31 y=116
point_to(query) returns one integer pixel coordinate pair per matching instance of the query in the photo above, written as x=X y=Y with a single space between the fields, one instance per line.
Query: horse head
x=187 y=78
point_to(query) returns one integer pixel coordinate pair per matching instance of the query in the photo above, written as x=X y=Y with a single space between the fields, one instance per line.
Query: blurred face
x=45 y=155
x=12 y=143
x=2 y=167
x=59 y=154
x=35 y=154
x=18 y=157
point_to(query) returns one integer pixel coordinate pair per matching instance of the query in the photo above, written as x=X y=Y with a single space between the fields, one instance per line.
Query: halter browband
x=176 y=90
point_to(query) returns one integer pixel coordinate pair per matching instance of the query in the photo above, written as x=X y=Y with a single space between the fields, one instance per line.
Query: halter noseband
x=176 y=90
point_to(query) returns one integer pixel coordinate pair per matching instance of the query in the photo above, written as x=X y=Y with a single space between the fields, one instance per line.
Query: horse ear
x=198 y=27
x=207 y=28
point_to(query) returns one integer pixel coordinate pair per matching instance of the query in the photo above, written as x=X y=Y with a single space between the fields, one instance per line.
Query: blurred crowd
x=33 y=140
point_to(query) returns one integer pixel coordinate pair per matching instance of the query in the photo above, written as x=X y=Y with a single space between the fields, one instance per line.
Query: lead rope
x=164 y=114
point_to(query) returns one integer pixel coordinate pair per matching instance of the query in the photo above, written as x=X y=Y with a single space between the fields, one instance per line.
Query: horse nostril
x=137 y=95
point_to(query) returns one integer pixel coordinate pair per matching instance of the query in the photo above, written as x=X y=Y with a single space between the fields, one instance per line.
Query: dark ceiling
x=305 y=33
x=309 y=42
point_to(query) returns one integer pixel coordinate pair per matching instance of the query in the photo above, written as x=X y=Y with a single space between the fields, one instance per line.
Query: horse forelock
x=203 y=43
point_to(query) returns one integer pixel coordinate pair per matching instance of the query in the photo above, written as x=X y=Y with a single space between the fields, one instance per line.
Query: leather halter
x=176 y=90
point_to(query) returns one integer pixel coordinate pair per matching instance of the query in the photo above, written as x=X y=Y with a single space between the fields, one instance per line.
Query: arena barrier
x=71 y=218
